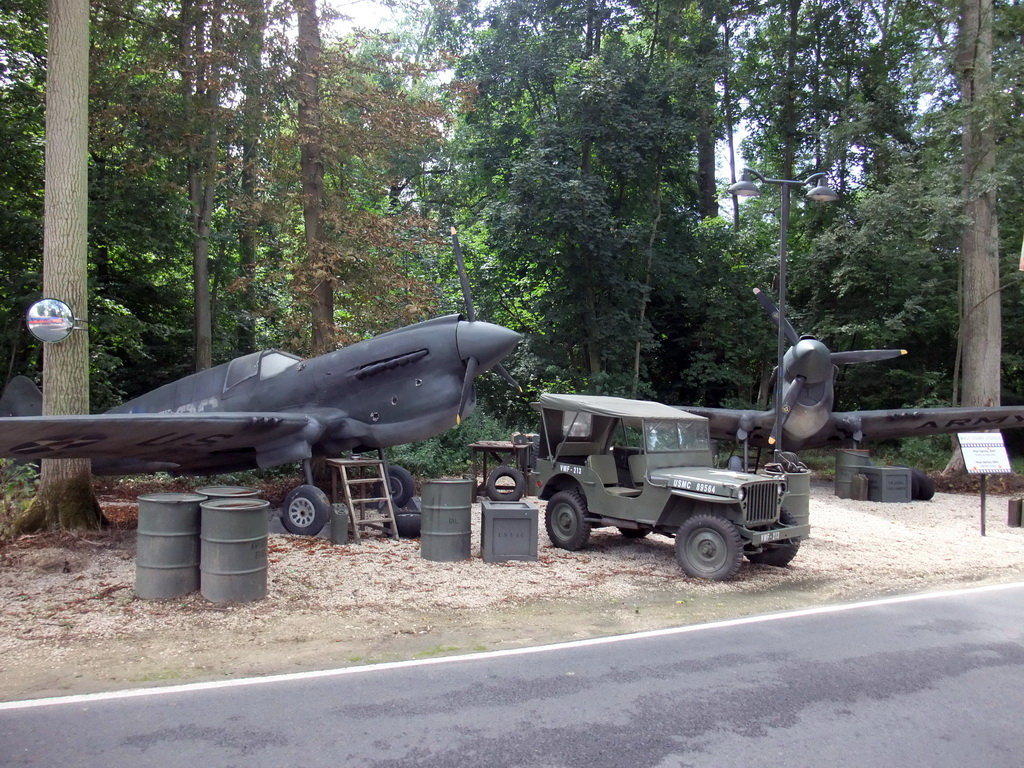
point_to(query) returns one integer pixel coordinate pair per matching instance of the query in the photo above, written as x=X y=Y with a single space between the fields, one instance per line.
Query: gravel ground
x=70 y=621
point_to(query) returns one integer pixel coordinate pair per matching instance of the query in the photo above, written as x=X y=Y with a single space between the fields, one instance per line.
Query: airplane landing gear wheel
x=305 y=511
x=401 y=485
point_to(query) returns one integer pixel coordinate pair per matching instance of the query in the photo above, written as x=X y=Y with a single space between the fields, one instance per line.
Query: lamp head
x=745 y=187
x=823 y=194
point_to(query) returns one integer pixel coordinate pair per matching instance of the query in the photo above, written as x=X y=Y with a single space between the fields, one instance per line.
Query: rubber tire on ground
x=408 y=524
x=504 y=492
x=305 y=510
x=915 y=482
x=634 y=533
x=923 y=485
x=709 y=547
x=401 y=485
x=778 y=555
x=565 y=520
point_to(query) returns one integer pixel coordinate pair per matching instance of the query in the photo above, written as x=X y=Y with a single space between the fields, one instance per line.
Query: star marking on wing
x=56 y=445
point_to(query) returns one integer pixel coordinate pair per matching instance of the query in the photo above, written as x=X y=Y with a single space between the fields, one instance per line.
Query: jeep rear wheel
x=709 y=547
x=566 y=521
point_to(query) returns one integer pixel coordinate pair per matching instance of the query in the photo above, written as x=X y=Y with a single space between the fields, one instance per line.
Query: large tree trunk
x=981 y=320
x=312 y=169
x=200 y=94
x=252 y=118
x=201 y=192
x=707 y=183
x=646 y=294
x=66 y=499
x=730 y=122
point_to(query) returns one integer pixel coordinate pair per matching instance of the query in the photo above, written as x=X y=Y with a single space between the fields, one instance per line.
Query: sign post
x=984 y=454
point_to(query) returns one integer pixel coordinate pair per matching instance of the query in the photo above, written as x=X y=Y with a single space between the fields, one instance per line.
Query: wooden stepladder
x=366 y=494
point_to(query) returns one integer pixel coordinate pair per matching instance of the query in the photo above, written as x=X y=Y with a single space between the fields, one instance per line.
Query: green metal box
x=888 y=484
x=508 y=531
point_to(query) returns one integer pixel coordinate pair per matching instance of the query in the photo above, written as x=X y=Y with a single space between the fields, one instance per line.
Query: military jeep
x=645 y=467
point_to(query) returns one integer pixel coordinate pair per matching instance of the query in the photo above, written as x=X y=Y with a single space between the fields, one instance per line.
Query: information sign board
x=984 y=453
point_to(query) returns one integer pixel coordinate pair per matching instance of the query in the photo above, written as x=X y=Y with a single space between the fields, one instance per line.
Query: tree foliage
x=574 y=146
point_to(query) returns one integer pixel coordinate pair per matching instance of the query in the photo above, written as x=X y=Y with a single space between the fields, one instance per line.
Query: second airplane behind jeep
x=645 y=467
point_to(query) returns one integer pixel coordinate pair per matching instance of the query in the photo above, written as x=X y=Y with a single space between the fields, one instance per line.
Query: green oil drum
x=446 y=523
x=848 y=464
x=233 y=551
x=798 y=496
x=167 y=552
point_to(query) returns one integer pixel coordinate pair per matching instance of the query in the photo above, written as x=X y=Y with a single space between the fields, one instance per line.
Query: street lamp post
x=822 y=193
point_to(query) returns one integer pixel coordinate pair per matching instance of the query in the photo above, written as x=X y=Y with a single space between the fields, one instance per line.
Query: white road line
x=88 y=698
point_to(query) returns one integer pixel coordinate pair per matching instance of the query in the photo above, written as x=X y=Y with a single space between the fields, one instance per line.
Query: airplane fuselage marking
x=978 y=421
x=184 y=441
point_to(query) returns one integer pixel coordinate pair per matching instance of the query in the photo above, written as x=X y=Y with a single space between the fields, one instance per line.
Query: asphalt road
x=929 y=682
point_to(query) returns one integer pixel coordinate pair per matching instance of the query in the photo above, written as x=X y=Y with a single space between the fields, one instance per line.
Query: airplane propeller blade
x=460 y=263
x=773 y=312
x=865 y=355
x=792 y=395
x=467 y=386
x=463 y=276
x=503 y=372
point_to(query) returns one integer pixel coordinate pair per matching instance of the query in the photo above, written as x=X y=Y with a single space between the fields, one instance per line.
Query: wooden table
x=501 y=452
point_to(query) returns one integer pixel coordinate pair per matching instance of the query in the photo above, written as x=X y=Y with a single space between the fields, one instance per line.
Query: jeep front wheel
x=779 y=555
x=709 y=547
x=566 y=521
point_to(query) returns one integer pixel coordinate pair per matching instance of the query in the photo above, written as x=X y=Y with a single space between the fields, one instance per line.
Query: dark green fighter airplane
x=270 y=408
x=808 y=394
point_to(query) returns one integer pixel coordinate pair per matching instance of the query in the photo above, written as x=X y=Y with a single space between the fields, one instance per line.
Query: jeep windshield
x=674 y=436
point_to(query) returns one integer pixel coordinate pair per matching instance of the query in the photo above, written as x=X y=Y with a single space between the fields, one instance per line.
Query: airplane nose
x=810 y=359
x=487 y=342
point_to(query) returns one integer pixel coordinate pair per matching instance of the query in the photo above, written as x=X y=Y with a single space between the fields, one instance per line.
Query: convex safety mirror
x=50 y=320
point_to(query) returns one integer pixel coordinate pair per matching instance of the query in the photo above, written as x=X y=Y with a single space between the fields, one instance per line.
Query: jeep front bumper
x=757 y=538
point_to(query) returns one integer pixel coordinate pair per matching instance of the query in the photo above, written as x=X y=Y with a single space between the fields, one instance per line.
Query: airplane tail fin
x=21 y=397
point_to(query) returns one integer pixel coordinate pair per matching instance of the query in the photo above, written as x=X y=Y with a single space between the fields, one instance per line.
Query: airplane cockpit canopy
x=265 y=364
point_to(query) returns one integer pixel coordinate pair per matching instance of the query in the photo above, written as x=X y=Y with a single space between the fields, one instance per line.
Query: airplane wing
x=173 y=442
x=729 y=425
x=883 y=425
x=734 y=425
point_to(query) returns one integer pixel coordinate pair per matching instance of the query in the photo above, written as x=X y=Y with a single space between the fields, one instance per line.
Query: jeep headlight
x=782 y=489
x=742 y=494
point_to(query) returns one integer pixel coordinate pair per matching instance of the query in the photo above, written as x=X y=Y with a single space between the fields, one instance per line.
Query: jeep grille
x=761 y=503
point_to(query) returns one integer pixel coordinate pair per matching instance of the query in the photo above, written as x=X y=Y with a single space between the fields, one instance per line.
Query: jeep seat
x=603 y=465
x=638 y=468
